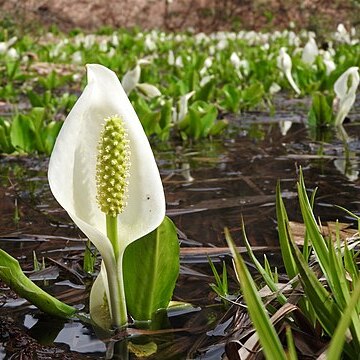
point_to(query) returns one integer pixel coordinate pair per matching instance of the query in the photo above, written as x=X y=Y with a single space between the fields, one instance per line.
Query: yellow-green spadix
x=77 y=177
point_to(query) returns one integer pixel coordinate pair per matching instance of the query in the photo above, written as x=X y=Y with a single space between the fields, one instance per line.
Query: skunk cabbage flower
x=131 y=79
x=103 y=173
x=149 y=90
x=329 y=62
x=6 y=45
x=182 y=110
x=310 y=52
x=345 y=90
x=171 y=58
x=284 y=63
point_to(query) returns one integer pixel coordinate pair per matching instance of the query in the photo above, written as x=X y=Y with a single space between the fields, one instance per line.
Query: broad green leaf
x=13 y=276
x=37 y=116
x=49 y=135
x=22 y=134
x=269 y=340
x=204 y=92
x=320 y=114
x=218 y=127
x=151 y=268
x=5 y=142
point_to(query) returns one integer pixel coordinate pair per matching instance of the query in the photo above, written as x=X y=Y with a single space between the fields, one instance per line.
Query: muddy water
x=208 y=186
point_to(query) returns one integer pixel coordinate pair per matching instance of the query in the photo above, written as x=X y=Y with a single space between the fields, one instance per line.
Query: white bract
x=329 y=62
x=284 y=63
x=74 y=174
x=6 y=45
x=345 y=90
x=131 y=79
x=180 y=112
x=310 y=52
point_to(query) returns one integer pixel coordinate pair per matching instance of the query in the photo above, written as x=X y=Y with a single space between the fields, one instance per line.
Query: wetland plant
x=321 y=299
x=103 y=173
x=327 y=110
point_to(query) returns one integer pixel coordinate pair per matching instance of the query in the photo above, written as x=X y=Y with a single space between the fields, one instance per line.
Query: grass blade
x=269 y=340
x=283 y=221
x=267 y=278
x=326 y=309
x=337 y=342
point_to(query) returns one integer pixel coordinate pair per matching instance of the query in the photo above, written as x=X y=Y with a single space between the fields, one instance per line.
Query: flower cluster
x=112 y=168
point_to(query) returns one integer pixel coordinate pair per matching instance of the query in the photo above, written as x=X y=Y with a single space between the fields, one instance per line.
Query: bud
x=112 y=167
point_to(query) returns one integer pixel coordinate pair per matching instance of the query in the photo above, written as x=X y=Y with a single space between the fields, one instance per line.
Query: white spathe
x=284 y=63
x=310 y=52
x=72 y=170
x=345 y=90
x=131 y=79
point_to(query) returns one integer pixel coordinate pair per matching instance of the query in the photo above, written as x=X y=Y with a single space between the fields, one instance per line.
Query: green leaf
x=151 y=268
x=21 y=134
x=326 y=309
x=269 y=340
x=337 y=342
x=267 y=278
x=312 y=228
x=13 y=276
x=291 y=345
x=321 y=113
x=5 y=142
x=204 y=92
x=49 y=135
x=283 y=224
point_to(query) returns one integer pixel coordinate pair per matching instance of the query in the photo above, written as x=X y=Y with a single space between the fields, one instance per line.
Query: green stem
x=115 y=276
x=112 y=233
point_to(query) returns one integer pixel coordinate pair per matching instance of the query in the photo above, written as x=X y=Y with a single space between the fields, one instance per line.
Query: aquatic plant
x=345 y=90
x=331 y=297
x=284 y=63
x=327 y=110
x=103 y=173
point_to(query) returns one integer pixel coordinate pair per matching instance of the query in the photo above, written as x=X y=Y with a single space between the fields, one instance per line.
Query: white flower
x=131 y=79
x=180 y=113
x=235 y=60
x=284 y=63
x=149 y=90
x=76 y=57
x=345 y=90
x=74 y=174
x=310 y=52
x=329 y=62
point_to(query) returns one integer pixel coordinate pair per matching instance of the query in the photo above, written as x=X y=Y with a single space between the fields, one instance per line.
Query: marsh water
x=209 y=185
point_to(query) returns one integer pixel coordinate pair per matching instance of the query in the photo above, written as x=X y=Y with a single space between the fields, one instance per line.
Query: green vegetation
x=323 y=301
x=181 y=85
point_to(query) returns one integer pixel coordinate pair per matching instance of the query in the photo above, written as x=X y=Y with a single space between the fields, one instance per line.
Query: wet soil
x=208 y=185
